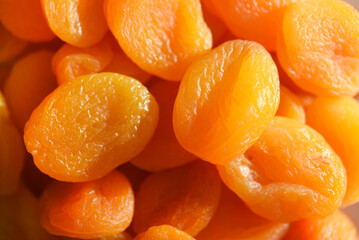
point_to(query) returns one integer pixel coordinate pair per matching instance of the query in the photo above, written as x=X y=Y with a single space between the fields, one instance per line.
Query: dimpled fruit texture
x=290 y=173
x=163 y=37
x=99 y=208
x=341 y=129
x=25 y=19
x=255 y=20
x=318 y=47
x=78 y=22
x=234 y=220
x=337 y=226
x=163 y=232
x=90 y=125
x=226 y=100
x=12 y=152
x=184 y=197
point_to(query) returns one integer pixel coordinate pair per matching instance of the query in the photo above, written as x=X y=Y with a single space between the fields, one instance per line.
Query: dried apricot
x=290 y=173
x=19 y=215
x=163 y=151
x=217 y=27
x=81 y=22
x=25 y=19
x=226 y=100
x=252 y=20
x=318 y=47
x=10 y=46
x=163 y=232
x=184 y=197
x=290 y=105
x=4 y=73
x=91 y=125
x=233 y=220
x=337 y=226
x=134 y=174
x=29 y=82
x=12 y=152
x=99 y=208
x=163 y=37
x=337 y=119
x=70 y=62
x=120 y=236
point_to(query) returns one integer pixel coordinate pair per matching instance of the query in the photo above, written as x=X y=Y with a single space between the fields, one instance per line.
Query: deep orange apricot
x=90 y=125
x=25 y=19
x=215 y=24
x=226 y=100
x=19 y=217
x=70 y=62
x=29 y=82
x=253 y=20
x=12 y=152
x=163 y=232
x=163 y=37
x=135 y=175
x=4 y=73
x=185 y=197
x=290 y=105
x=80 y=23
x=290 y=173
x=233 y=220
x=120 y=236
x=99 y=208
x=10 y=46
x=337 y=119
x=163 y=151
x=337 y=226
x=318 y=47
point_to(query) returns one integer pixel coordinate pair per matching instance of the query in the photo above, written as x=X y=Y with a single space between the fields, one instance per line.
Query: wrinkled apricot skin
x=12 y=152
x=91 y=125
x=70 y=62
x=163 y=37
x=99 y=208
x=163 y=151
x=80 y=23
x=184 y=197
x=252 y=20
x=163 y=232
x=10 y=46
x=290 y=105
x=318 y=47
x=337 y=226
x=233 y=220
x=226 y=100
x=341 y=129
x=29 y=82
x=25 y=19
x=19 y=217
x=290 y=173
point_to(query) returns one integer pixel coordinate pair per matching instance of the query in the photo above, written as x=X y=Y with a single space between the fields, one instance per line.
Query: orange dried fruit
x=25 y=19
x=91 y=125
x=318 y=47
x=10 y=46
x=226 y=100
x=134 y=174
x=337 y=226
x=185 y=197
x=233 y=220
x=163 y=232
x=163 y=37
x=28 y=83
x=12 y=152
x=337 y=119
x=80 y=23
x=163 y=151
x=99 y=208
x=252 y=20
x=70 y=62
x=290 y=105
x=290 y=173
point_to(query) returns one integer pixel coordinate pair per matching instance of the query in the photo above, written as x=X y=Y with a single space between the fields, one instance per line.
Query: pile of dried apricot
x=178 y=119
